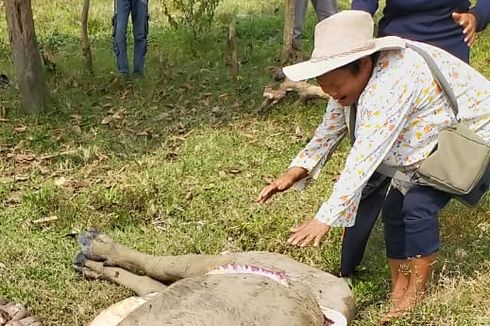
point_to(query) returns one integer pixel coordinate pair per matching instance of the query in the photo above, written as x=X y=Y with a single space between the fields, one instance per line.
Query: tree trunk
x=87 y=53
x=27 y=60
x=287 y=37
x=232 y=50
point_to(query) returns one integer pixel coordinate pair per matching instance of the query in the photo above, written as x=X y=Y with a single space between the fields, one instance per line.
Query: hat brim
x=312 y=69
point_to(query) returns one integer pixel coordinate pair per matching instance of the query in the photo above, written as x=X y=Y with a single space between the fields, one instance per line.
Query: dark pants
x=356 y=237
x=416 y=213
x=411 y=223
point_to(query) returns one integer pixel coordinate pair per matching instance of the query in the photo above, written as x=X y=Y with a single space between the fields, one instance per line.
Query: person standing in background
x=448 y=24
x=139 y=18
x=323 y=9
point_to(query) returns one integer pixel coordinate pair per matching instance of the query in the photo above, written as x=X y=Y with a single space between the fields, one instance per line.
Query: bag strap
x=439 y=77
x=443 y=84
x=352 y=122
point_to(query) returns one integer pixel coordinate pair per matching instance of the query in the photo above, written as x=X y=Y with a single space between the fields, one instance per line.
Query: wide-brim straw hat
x=339 y=40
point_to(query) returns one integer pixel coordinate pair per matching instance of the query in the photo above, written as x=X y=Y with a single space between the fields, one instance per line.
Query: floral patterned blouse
x=398 y=116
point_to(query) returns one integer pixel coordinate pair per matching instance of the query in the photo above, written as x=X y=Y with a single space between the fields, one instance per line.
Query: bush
x=197 y=15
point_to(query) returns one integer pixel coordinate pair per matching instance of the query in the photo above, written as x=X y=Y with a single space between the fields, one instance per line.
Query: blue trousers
x=415 y=213
x=139 y=18
x=356 y=237
x=411 y=223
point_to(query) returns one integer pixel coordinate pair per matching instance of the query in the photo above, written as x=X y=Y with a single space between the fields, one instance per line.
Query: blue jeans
x=139 y=18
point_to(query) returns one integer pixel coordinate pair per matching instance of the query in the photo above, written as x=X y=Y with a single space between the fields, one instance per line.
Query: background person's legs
x=324 y=8
x=120 y=25
x=356 y=237
x=139 y=16
x=300 y=7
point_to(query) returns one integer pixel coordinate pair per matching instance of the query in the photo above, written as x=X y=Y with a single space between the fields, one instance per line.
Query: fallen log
x=275 y=94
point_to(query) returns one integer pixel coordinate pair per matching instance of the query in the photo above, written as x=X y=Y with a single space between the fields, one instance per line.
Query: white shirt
x=399 y=114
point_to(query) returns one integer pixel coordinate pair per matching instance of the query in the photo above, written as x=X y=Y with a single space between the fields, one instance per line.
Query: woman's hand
x=468 y=22
x=303 y=234
x=282 y=183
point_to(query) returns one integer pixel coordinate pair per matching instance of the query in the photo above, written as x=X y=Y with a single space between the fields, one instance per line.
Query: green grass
x=178 y=168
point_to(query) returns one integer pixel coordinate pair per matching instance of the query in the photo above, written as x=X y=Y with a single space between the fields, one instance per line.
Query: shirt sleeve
x=326 y=137
x=482 y=13
x=365 y=5
x=382 y=112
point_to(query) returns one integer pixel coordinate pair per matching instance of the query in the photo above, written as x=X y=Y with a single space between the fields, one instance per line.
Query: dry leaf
x=186 y=87
x=43 y=170
x=20 y=145
x=23 y=158
x=107 y=120
x=189 y=195
x=298 y=133
x=71 y=234
x=209 y=186
x=171 y=156
x=181 y=138
x=76 y=129
x=268 y=179
x=50 y=156
x=61 y=182
x=14 y=198
x=76 y=118
x=20 y=129
x=72 y=183
x=246 y=135
x=7 y=179
x=119 y=115
x=77 y=184
x=124 y=94
x=47 y=157
x=45 y=219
